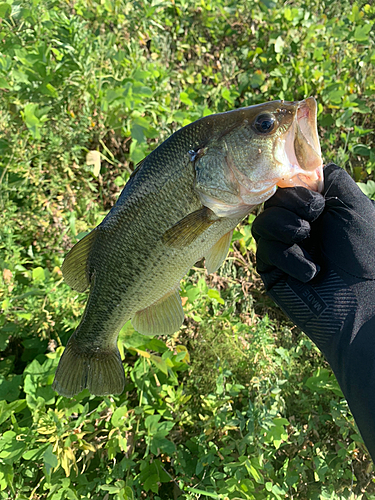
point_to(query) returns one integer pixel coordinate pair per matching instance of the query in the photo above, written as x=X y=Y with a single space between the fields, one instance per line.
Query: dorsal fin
x=74 y=267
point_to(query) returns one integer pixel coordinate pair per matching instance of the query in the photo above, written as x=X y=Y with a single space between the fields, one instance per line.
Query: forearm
x=337 y=319
x=353 y=362
x=317 y=261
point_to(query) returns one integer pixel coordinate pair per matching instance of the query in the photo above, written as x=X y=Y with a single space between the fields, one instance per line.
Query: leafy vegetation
x=238 y=404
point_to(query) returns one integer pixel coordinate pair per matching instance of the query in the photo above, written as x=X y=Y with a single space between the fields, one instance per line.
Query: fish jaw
x=299 y=150
x=246 y=202
x=307 y=121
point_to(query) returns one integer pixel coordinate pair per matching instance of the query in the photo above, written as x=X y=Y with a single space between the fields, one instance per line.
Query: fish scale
x=176 y=208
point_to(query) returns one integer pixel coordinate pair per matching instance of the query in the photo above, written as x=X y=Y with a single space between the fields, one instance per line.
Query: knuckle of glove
x=308 y=205
x=290 y=259
x=278 y=224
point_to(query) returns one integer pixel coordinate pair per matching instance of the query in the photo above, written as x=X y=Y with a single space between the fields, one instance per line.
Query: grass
x=239 y=403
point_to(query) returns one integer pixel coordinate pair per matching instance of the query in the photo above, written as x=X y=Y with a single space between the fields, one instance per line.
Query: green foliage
x=237 y=405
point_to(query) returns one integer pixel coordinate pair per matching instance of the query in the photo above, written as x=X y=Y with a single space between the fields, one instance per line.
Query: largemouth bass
x=181 y=204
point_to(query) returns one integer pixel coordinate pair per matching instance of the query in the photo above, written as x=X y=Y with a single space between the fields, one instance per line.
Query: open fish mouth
x=303 y=151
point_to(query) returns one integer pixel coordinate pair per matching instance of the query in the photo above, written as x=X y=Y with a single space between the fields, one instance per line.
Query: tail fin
x=100 y=371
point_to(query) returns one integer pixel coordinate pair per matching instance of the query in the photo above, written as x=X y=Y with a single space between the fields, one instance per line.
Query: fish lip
x=314 y=181
x=303 y=150
x=306 y=118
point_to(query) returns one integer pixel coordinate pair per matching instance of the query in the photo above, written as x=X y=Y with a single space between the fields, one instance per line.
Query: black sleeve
x=319 y=268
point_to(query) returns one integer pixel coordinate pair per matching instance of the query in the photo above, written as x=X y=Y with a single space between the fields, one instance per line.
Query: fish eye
x=264 y=123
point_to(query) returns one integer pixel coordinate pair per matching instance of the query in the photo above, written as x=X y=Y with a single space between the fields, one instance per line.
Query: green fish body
x=181 y=204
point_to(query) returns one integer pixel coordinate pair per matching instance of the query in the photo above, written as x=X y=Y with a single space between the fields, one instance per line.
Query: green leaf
x=5 y=10
x=161 y=444
x=4 y=339
x=367 y=188
x=111 y=489
x=35 y=453
x=50 y=460
x=185 y=99
x=3 y=83
x=27 y=13
x=11 y=448
x=119 y=415
x=142 y=91
x=278 y=491
x=257 y=79
x=151 y=422
x=215 y=294
x=280 y=421
x=51 y=90
x=192 y=293
x=138 y=133
x=137 y=151
x=10 y=389
x=6 y=409
x=204 y=493
x=151 y=483
x=226 y=95
x=34 y=117
x=361 y=33
x=335 y=96
x=323 y=380
x=288 y=14
x=355 y=16
x=38 y=274
x=253 y=471
x=156 y=345
x=361 y=150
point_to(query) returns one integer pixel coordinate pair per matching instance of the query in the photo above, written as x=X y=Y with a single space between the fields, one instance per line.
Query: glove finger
x=340 y=190
x=348 y=233
x=307 y=204
x=280 y=224
x=292 y=260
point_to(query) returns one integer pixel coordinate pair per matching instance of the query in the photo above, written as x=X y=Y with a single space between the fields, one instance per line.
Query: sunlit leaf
x=93 y=158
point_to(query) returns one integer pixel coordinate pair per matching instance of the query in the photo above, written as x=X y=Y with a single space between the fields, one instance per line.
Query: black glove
x=316 y=256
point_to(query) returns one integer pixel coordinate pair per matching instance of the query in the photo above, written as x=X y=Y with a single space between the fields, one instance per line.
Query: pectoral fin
x=187 y=230
x=74 y=267
x=164 y=317
x=217 y=254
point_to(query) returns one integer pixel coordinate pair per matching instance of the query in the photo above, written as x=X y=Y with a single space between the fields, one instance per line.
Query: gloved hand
x=316 y=256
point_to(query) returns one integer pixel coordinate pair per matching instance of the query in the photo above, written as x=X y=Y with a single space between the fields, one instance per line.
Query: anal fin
x=164 y=317
x=74 y=267
x=217 y=254
x=187 y=230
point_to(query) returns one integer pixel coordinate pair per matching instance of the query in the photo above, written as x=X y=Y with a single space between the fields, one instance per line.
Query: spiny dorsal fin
x=164 y=317
x=187 y=230
x=217 y=254
x=74 y=267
